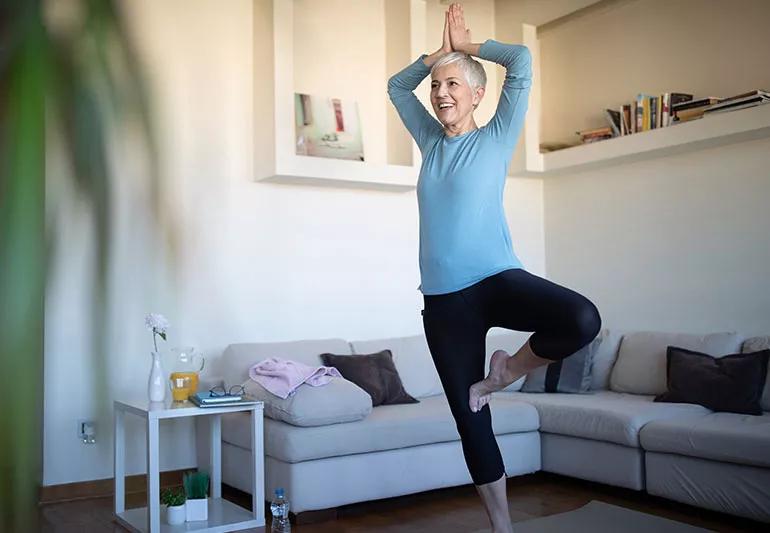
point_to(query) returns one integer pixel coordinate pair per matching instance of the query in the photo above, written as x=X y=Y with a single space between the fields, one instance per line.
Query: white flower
x=156 y=323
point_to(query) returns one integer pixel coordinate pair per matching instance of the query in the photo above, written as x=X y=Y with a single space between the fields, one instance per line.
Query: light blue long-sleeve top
x=464 y=235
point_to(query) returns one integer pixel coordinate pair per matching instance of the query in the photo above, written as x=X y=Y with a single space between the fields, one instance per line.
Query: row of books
x=650 y=112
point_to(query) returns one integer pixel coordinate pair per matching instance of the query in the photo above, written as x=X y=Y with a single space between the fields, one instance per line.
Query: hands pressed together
x=457 y=36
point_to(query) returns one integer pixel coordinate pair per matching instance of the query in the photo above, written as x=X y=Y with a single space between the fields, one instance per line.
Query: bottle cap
x=279 y=492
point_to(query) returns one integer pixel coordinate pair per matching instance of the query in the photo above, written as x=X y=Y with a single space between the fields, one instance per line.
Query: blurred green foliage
x=67 y=68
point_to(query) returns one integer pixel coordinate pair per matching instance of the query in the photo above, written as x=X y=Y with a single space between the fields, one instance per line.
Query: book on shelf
x=700 y=102
x=740 y=101
x=625 y=115
x=688 y=114
x=642 y=112
x=606 y=130
x=736 y=107
x=613 y=117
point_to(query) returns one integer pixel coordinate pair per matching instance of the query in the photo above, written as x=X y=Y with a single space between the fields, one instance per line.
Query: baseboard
x=98 y=488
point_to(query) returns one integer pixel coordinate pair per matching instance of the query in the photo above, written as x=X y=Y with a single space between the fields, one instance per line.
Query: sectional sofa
x=614 y=434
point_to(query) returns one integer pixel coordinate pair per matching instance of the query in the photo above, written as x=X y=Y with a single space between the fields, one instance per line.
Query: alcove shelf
x=392 y=160
x=709 y=131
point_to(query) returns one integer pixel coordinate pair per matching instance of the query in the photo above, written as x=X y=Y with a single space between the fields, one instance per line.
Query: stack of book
x=647 y=112
x=206 y=399
x=594 y=135
x=740 y=101
x=650 y=112
x=692 y=109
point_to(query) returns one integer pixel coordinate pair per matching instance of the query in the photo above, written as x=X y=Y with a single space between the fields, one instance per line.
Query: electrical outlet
x=87 y=431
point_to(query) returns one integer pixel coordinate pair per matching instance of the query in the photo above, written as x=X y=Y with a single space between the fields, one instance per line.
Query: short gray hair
x=474 y=72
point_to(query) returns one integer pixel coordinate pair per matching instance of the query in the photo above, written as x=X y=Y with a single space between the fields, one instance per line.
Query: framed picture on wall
x=327 y=127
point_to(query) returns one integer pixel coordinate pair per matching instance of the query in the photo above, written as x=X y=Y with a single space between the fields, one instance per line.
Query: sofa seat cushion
x=601 y=415
x=387 y=427
x=729 y=437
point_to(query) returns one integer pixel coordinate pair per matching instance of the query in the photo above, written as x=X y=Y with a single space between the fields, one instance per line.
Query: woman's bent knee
x=583 y=327
x=588 y=322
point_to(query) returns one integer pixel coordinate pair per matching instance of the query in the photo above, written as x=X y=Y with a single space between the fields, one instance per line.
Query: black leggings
x=456 y=326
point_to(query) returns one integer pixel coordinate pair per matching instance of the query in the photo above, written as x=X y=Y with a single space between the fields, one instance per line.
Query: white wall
x=258 y=261
x=677 y=243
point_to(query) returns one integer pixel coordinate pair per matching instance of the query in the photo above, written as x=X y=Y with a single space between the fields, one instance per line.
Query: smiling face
x=451 y=96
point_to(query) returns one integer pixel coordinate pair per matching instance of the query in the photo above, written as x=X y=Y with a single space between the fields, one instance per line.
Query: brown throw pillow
x=375 y=373
x=732 y=383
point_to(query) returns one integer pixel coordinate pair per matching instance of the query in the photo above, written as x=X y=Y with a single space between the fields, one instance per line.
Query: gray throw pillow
x=332 y=403
x=375 y=373
x=571 y=374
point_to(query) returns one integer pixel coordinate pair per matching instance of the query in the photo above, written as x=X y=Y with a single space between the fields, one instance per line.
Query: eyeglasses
x=219 y=390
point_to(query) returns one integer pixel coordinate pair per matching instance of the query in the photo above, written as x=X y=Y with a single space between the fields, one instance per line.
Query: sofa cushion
x=755 y=344
x=732 y=383
x=604 y=358
x=238 y=358
x=730 y=437
x=335 y=402
x=570 y=375
x=602 y=415
x=641 y=364
x=413 y=362
x=387 y=427
x=375 y=373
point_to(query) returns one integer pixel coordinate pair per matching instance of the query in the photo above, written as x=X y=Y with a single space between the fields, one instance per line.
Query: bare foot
x=497 y=379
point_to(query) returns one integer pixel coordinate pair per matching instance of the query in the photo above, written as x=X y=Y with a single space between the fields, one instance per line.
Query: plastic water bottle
x=279 y=507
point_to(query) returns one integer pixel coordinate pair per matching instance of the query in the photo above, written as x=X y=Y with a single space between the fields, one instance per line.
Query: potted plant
x=174 y=499
x=196 y=487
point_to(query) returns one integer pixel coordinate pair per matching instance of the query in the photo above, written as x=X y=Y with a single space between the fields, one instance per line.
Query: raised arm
x=508 y=121
x=506 y=125
x=421 y=124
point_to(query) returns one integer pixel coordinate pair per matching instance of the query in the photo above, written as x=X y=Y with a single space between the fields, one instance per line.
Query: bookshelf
x=707 y=132
x=394 y=166
x=713 y=130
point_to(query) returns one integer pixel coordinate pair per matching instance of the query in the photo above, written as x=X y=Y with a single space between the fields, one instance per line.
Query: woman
x=471 y=278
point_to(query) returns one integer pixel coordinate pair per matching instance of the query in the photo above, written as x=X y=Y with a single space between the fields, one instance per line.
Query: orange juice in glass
x=183 y=385
x=186 y=365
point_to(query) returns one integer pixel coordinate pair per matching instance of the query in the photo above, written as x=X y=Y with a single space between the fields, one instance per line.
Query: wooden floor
x=453 y=510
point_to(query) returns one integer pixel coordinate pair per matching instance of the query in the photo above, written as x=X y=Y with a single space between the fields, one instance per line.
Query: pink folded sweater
x=282 y=376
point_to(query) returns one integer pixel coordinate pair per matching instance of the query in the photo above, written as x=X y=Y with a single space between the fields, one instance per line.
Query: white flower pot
x=175 y=515
x=197 y=509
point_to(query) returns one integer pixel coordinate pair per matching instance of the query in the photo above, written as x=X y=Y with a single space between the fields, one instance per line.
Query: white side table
x=223 y=515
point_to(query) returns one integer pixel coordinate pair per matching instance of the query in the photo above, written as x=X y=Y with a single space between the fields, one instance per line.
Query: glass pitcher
x=186 y=364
